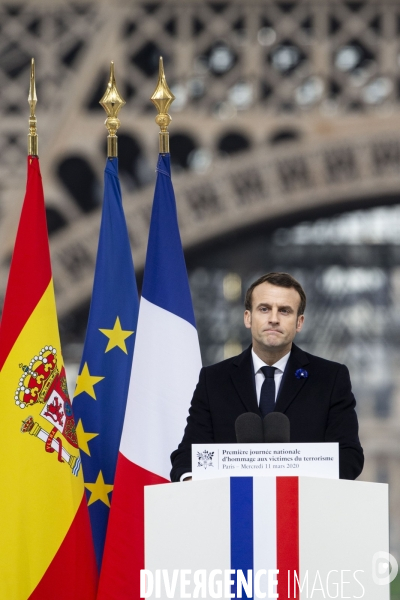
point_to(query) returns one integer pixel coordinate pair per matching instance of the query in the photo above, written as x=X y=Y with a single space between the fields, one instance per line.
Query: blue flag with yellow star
x=103 y=380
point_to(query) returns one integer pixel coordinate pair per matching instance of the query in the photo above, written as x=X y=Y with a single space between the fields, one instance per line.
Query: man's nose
x=274 y=316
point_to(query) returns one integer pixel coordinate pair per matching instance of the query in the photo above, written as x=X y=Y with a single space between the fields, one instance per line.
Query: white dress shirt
x=259 y=375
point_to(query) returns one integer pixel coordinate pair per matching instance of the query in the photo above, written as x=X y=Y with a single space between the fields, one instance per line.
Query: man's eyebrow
x=280 y=307
x=286 y=307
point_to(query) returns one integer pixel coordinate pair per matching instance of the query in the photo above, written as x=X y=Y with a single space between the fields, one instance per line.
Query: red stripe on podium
x=287 y=535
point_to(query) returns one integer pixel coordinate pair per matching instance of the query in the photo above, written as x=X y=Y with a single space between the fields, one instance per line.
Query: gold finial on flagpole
x=32 y=99
x=162 y=100
x=112 y=102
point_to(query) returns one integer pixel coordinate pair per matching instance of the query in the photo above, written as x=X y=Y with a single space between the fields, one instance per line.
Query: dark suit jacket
x=320 y=407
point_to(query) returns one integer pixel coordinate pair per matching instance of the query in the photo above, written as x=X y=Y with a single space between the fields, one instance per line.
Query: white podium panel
x=298 y=537
x=343 y=528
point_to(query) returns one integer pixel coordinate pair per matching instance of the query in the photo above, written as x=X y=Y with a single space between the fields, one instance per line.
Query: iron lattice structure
x=281 y=107
x=246 y=77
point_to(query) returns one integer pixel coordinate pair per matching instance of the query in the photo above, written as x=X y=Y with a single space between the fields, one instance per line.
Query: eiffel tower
x=285 y=112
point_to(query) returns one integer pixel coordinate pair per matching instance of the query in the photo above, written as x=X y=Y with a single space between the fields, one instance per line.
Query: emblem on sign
x=205 y=459
x=43 y=389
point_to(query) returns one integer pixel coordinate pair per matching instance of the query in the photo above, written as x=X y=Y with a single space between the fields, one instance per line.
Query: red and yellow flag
x=46 y=550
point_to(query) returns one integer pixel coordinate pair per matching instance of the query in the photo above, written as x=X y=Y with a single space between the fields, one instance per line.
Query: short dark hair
x=280 y=280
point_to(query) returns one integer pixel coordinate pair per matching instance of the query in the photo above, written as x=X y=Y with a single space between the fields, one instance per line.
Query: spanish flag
x=46 y=549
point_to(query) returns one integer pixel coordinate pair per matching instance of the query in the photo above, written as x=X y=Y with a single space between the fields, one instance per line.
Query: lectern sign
x=210 y=461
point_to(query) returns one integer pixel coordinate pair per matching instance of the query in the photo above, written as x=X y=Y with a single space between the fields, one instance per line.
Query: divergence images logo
x=380 y=568
x=43 y=389
x=205 y=459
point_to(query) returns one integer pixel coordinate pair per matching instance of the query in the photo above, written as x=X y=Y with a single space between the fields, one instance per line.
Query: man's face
x=273 y=319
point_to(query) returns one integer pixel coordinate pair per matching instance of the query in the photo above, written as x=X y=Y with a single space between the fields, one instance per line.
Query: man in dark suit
x=314 y=393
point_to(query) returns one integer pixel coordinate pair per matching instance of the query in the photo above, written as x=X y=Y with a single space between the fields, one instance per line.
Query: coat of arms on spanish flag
x=46 y=549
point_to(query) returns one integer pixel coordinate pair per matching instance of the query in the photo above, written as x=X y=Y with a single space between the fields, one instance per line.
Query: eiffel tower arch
x=282 y=108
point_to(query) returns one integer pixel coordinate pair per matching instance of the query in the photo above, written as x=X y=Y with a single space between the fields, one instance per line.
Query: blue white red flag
x=264 y=531
x=103 y=380
x=165 y=371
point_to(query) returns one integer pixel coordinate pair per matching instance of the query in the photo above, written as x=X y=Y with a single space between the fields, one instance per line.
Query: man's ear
x=300 y=321
x=247 y=319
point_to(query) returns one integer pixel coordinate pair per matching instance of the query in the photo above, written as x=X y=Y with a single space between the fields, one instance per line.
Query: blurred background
x=285 y=152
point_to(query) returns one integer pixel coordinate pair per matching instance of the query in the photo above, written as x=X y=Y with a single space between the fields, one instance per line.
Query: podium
x=285 y=537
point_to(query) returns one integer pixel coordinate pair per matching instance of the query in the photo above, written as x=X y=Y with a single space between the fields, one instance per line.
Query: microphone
x=249 y=429
x=276 y=427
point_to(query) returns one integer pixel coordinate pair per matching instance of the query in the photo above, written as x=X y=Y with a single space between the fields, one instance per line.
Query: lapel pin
x=301 y=374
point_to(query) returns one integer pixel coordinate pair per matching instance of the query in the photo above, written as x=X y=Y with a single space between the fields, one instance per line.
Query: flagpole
x=106 y=362
x=157 y=404
x=162 y=100
x=112 y=102
x=47 y=440
x=32 y=100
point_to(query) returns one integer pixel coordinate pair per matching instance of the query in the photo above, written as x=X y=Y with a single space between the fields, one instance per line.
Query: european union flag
x=104 y=374
x=165 y=371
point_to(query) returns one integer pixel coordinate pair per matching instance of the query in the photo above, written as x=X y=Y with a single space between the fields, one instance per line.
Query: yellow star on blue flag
x=116 y=336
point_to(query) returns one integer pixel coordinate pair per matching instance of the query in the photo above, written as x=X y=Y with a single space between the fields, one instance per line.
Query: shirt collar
x=258 y=363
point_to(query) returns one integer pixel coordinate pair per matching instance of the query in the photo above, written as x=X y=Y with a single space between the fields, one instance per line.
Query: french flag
x=165 y=371
x=264 y=536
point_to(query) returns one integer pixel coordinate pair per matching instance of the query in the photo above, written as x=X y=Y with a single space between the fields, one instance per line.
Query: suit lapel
x=242 y=375
x=290 y=385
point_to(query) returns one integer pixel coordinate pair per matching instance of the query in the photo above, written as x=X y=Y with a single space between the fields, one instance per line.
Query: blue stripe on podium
x=241 y=527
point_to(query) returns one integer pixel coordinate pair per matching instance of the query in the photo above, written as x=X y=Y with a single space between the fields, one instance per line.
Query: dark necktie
x=267 y=396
